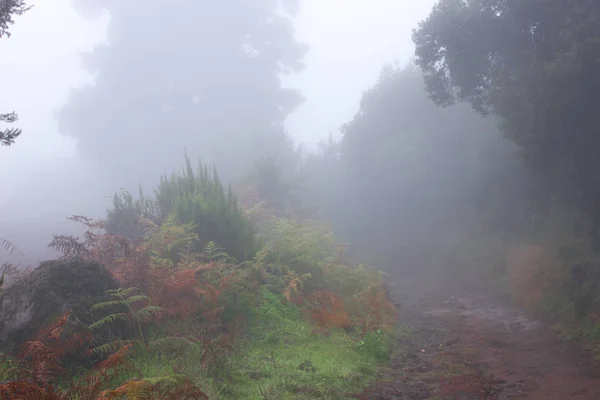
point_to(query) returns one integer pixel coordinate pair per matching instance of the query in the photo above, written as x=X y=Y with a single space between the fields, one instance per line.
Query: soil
x=467 y=343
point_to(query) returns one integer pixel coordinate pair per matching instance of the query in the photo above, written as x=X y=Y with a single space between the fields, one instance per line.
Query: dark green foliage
x=408 y=176
x=376 y=345
x=126 y=216
x=124 y=306
x=535 y=64
x=199 y=198
x=268 y=178
x=192 y=197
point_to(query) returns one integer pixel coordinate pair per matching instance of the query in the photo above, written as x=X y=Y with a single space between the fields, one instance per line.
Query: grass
x=301 y=366
x=283 y=358
x=280 y=356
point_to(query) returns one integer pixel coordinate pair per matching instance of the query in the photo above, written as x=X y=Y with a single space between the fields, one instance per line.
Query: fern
x=295 y=282
x=327 y=310
x=7 y=246
x=117 y=358
x=127 y=299
x=69 y=246
x=109 y=319
x=214 y=252
x=121 y=292
x=47 y=349
x=109 y=304
x=379 y=312
x=111 y=347
x=137 y=299
x=174 y=386
x=147 y=313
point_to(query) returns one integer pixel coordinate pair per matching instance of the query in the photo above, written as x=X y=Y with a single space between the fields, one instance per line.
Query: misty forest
x=442 y=243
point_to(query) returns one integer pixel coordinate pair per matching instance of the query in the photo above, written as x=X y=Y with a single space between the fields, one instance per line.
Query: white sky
x=350 y=41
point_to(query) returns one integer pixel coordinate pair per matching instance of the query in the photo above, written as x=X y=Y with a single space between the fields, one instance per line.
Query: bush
x=194 y=197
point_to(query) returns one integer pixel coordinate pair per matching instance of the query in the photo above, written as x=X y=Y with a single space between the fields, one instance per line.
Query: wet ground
x=467 y=343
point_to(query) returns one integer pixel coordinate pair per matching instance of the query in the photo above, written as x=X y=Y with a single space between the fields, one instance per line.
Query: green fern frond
x=109 y=304
x=137 y=299
x=147 y=313
x=111 y=347
x=7 y=246
x=168 y=379
x=108 y=320
x=259 y=259
x=122 y=293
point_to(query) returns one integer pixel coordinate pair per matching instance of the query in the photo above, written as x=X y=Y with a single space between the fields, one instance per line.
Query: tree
x=200 y=75
x=535 y=64
x=9 y=9
x=409 y=177
x=8 y=136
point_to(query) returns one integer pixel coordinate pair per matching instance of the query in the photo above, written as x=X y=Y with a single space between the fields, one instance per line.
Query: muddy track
x=469 y=344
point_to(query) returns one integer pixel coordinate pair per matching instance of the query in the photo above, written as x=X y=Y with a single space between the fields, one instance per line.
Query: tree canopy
x=199 y=75
x=407 y=173
x=534 y=63
x=9 y=9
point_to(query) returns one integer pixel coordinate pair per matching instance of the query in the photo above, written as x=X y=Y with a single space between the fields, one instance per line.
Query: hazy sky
x=350 y=40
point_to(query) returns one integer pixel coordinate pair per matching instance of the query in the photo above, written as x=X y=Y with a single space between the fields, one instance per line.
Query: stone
x=39 y=298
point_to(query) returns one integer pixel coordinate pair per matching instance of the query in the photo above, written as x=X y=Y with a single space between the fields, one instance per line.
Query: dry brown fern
x=26 y=390
x=47 y=349
x=379 y=312
x=167 y=387
x=294 y=285
x=327 y=310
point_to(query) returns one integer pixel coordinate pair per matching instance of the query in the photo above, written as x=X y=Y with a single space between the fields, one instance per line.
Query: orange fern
x=48 y=348
x=90 y=387
x=25 y=390
x=115 y=359
x=164 y=388
x=379 y=312
x=327 y=310
x=175 y=291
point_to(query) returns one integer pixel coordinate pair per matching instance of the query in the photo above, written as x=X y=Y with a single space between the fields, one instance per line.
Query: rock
x=39 y=298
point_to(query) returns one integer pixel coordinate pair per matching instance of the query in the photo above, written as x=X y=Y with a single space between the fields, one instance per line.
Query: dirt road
x=469 y=344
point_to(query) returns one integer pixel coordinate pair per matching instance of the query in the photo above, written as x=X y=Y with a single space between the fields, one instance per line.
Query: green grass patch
x=279 y=357
x=283 y=359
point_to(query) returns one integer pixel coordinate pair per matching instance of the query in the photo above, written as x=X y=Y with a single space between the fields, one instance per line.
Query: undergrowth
x=294 y=320
x=552 y=274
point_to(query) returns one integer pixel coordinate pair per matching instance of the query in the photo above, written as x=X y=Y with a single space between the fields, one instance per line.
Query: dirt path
x=468 y=344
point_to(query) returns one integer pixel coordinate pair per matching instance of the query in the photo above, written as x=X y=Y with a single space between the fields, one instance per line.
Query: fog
x=52 y=175
x=276 y=198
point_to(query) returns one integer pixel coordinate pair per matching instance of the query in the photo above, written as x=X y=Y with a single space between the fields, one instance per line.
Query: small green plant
x=133 y=313
x=376 y=345
x=10 y=368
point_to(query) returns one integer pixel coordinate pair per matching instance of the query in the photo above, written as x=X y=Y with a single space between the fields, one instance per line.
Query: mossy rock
x=46 y=293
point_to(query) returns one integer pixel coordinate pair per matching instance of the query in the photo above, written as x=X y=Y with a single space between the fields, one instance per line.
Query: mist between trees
x=478 y=157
